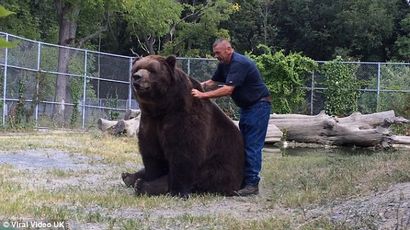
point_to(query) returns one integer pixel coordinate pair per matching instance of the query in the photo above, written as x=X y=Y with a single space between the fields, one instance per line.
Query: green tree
x=149 y=21
x=284 y=76
x=306 y=26
x=69 y=15
x=198 y=27
x=323 y=29
x=365 y=28
x=251 y=24
x=183 y=28
x=402 y=44
x=32 y=19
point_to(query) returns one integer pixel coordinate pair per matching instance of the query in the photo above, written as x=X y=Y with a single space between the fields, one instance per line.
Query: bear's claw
x=128 y=179
x=138 y=186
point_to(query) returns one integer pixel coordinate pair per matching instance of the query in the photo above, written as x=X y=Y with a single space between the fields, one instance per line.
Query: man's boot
x=248 y=190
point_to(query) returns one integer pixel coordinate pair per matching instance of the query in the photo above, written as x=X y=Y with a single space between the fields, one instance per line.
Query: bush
x=342 y=87
x=284 y=76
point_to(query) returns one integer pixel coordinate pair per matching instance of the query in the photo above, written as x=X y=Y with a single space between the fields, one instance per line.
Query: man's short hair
x=222 y=40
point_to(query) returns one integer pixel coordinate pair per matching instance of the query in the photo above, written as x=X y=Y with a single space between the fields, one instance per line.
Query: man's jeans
x=253 y=124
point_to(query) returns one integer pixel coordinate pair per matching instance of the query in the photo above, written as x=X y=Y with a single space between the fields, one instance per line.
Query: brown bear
x=188 y=145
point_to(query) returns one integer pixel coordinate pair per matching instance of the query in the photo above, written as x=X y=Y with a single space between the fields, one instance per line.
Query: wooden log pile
x=127 y=126
x=361 y=130
x=364 y=130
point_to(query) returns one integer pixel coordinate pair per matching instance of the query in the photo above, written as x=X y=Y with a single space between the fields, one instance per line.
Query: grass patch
x=320 y=176
x=59 y=173
x=94 y=194
x=111 y=149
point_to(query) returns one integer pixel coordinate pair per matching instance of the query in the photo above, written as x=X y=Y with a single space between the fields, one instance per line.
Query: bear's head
x=152 y=76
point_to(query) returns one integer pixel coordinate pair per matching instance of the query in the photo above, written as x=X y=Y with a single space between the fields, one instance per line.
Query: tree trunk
x=67 y=19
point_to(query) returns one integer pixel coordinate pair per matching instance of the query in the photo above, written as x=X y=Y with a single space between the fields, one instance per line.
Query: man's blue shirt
x=243 y=74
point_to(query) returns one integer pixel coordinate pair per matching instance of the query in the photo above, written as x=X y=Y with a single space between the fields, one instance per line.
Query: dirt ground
x=388 y=209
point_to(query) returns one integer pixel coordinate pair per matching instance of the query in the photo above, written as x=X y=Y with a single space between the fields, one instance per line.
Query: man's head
x=222 y=50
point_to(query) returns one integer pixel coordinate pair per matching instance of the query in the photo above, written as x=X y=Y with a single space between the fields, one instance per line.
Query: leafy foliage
x=251 y=24
x=183 y=28
x=198 y=27
x=19 y=116
x=284 y=77
x=342 y=87
x=150 y=20
x=402 y=44
x=112 y=102
x=363 y=29
x=323 y=29
x=32 y=19
x=75 y=90
x=151 y=17
x=393 y=77
x=364 y=26
x=4 y=13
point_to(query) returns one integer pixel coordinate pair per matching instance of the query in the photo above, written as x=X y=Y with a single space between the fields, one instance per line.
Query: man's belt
x=267 y=98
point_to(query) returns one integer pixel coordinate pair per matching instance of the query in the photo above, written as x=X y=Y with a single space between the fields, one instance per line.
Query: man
x=243 y=82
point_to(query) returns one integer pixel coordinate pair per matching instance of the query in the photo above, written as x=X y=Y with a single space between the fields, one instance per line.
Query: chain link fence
x=386 y=87
x=98 y=85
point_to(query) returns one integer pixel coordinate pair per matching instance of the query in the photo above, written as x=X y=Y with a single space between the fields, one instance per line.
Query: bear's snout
x=140 y=80
x=141 y=85
x=136 y=76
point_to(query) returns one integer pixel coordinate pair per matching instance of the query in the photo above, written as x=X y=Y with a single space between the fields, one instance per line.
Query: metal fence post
x=312 y=88
x=84 y=86
x=189 y=66
x=37 y=83
x=378 y=87
x=129 y=85
x=5 y=82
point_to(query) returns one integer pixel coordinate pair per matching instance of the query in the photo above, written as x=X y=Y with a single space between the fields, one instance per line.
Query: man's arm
x=225 y=90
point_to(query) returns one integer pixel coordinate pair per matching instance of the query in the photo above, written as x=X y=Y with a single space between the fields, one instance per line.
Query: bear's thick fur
x=187 y=144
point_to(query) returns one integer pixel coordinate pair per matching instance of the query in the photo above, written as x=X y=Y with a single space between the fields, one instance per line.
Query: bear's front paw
x=128 y=178
x=138 y=186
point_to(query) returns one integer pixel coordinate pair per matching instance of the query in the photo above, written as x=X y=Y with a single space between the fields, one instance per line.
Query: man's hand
x=203 y=85
x=198 y=94
x=225 y=90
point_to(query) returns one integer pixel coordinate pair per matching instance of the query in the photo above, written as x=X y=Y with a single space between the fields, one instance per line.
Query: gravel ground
x=388 y=209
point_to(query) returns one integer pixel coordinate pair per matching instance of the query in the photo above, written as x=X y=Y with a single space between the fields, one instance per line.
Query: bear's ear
x=171 y=60
x=136 y=59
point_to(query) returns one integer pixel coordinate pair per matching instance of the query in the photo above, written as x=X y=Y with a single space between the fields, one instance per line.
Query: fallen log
x=131 y=113
x=356 y=129
x=105 y=125
x=127 y=126
x=273 y=134
x=364 y=130
x=400 y=140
